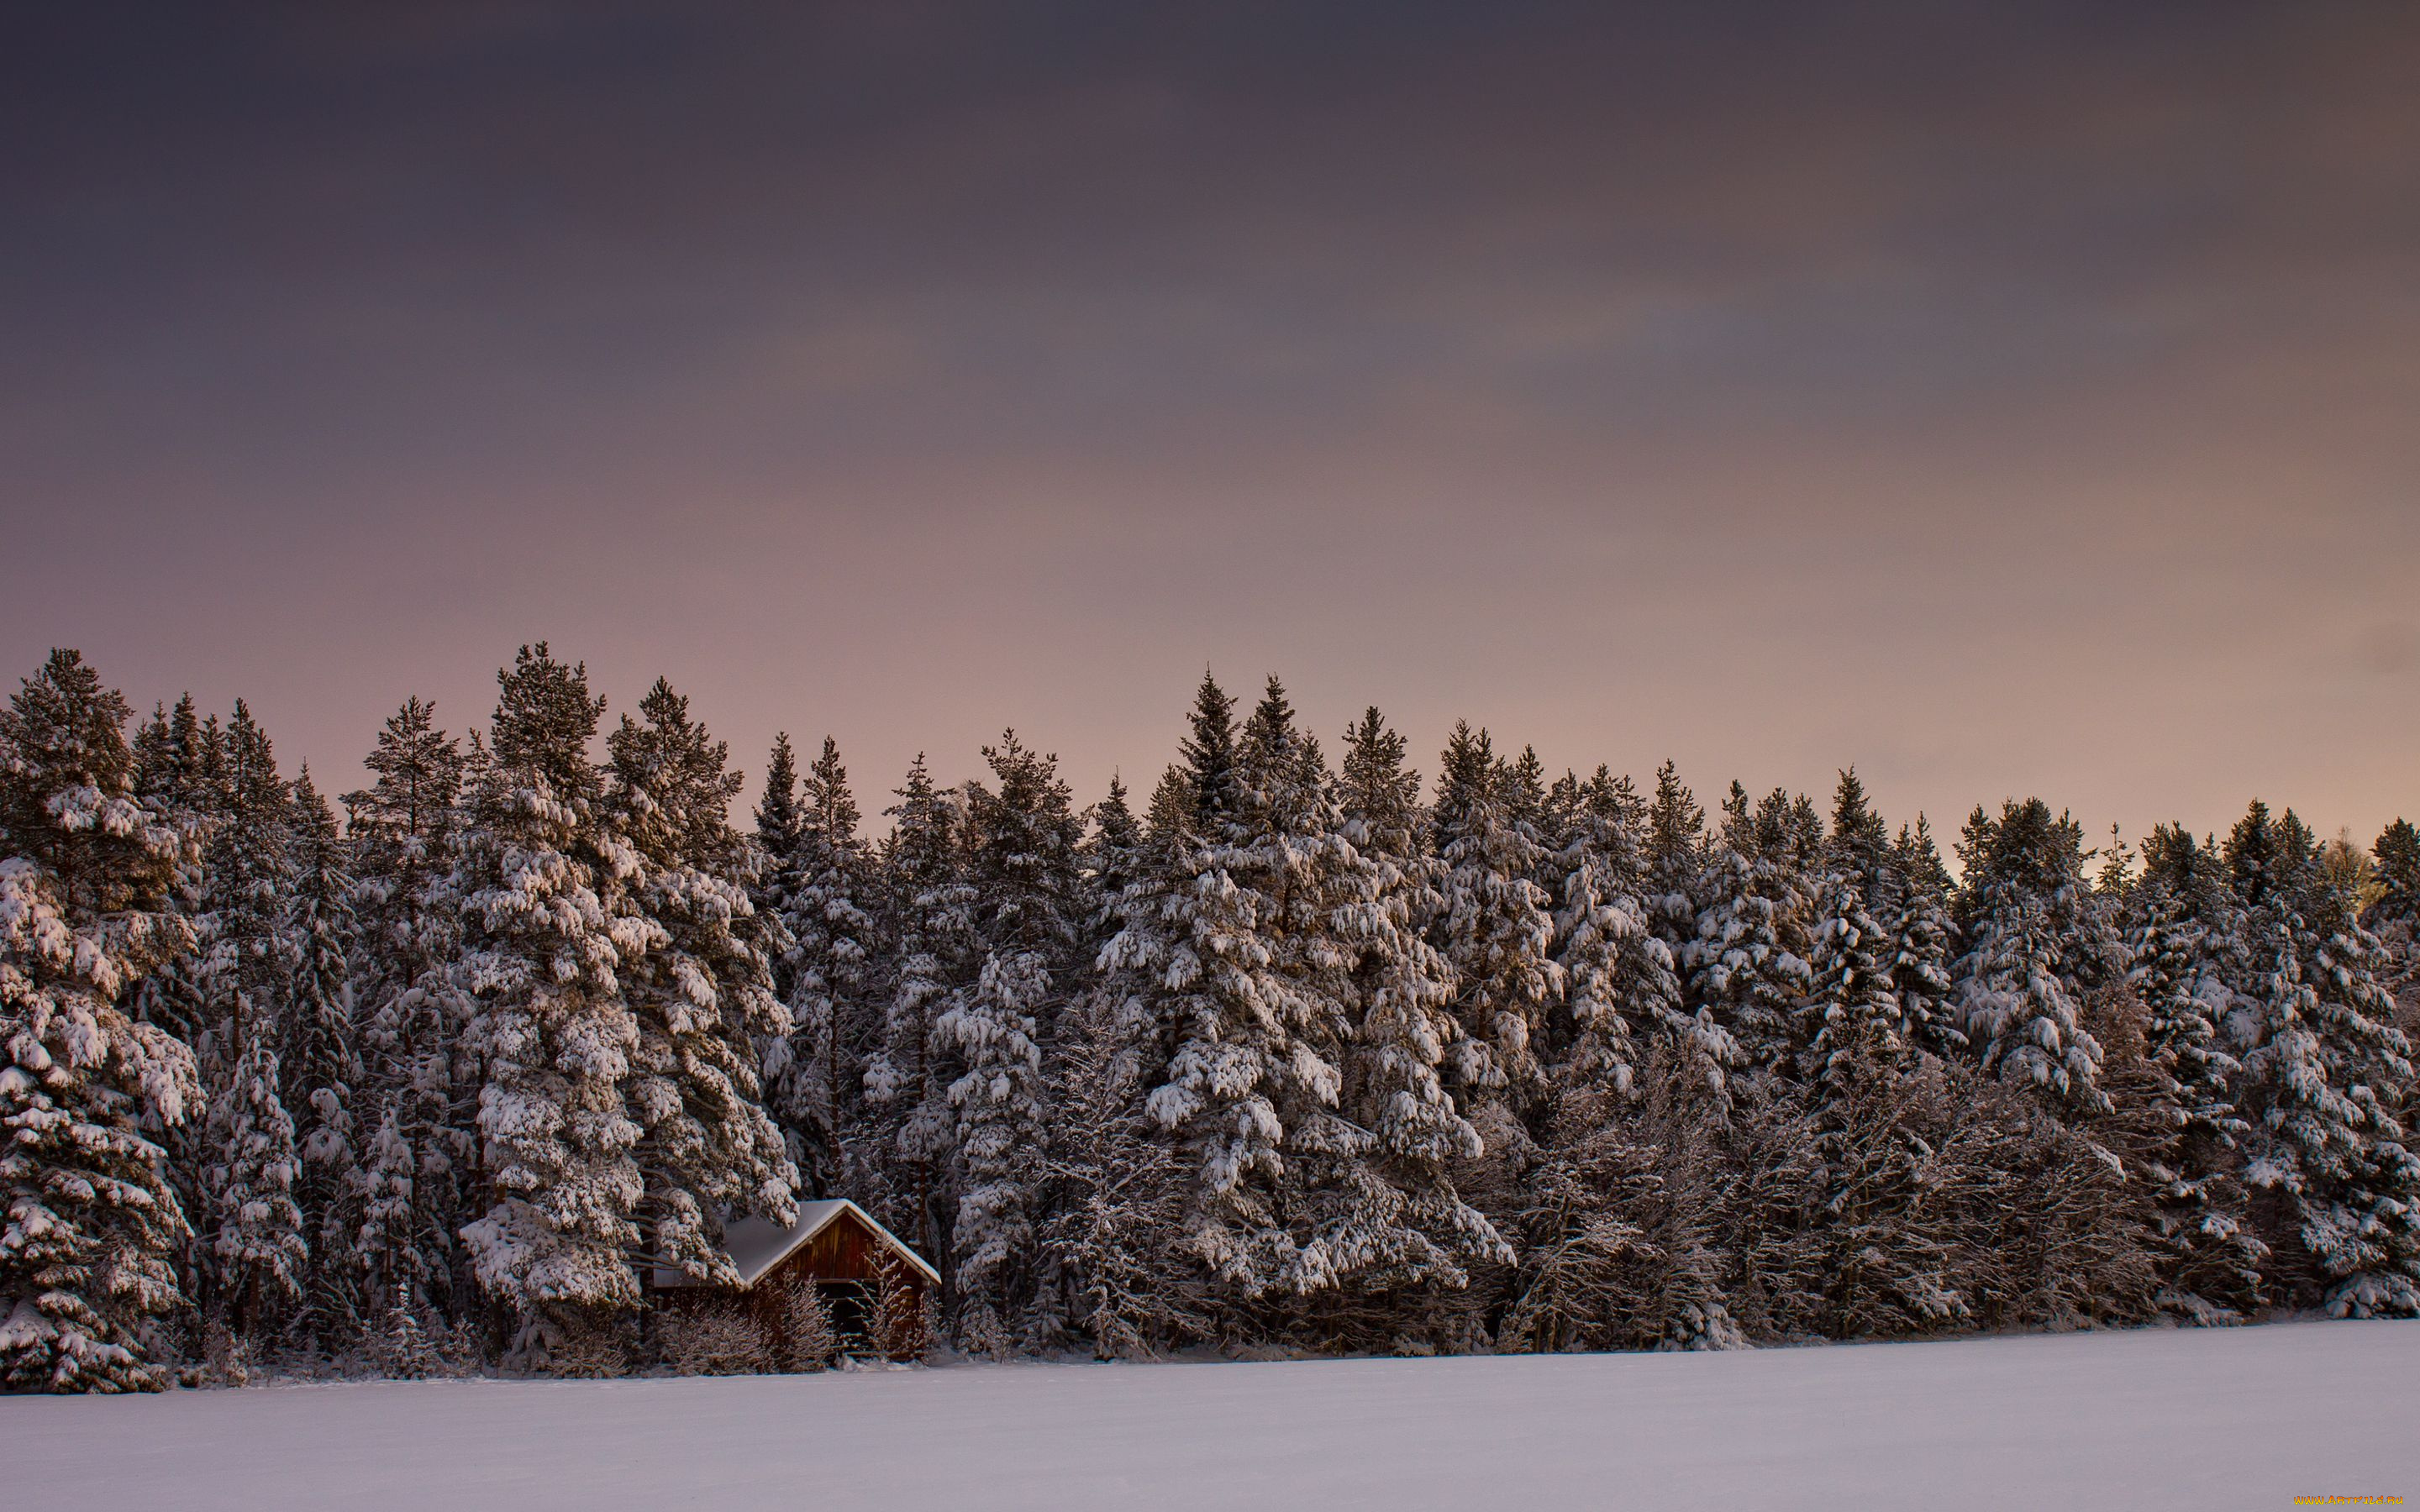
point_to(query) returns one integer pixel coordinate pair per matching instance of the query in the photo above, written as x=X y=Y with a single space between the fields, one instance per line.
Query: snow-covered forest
x=1304 y=1051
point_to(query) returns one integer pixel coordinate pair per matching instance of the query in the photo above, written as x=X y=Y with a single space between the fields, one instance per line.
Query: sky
x=2005 y=400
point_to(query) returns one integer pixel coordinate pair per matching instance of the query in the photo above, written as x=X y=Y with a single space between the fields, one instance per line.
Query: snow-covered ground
x=2240 y=1418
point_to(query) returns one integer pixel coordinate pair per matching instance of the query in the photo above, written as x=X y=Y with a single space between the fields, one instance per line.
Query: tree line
x=1304 y=1055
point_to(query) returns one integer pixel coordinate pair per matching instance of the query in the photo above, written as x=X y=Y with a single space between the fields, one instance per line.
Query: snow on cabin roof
x=755 y=1246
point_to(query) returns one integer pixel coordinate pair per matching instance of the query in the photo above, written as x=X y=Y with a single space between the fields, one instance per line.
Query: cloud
x=2019 y=395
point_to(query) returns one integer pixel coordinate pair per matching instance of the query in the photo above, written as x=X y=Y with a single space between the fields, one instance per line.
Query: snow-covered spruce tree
x=1747 y=967
x=700 y=994
x=1030 y=921
x=930 y=917
x=1859 y=843
x=548 y=932
x=1112 y=856
x=1915 y=907
x=821 y=885
x=1850 y=1010
x=2325 y=1078
x=178 y=761
x=92 y=1225
x=1139 y=915
x=1623 y=985
x=1496 y=930
x=1186 y=959
x=178 y=777
x=2038 y=941
x=257 y=1254
x=416 y=1116
x=1253 y=995
x=2174 y=1087
x=1231 y=1010
x=322 y=1067
x=1676 y=859
x=2394 y=917
x=1392 y=1225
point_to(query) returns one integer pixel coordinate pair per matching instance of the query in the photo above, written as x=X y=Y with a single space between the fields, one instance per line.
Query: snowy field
x=2240 y=1418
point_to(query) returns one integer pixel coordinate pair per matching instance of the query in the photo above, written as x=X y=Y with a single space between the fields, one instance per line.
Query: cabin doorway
x=851 y=1308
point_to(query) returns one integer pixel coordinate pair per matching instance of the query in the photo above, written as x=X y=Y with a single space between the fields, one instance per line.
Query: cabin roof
x=755 y=1246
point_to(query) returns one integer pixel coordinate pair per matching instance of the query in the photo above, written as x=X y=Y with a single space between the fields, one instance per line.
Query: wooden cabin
x=876 y=1287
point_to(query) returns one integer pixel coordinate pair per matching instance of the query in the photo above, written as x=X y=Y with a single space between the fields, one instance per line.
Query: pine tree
x=1029 y=923
x=257 y=1251
x=2326 y=1074
x=1676 y=846
x=2393 y=915
x=1851 y=1009
x=1494 y=928
x=1392 y=1221
x=822 y=888
x=700 y=996
x=547 y=937
x=1254 y=993
x=1859 y=843
x=411 y=1188
x=93 y=1224
x=779 y=821
x=2397 y=858
x=2179 y=931
x=1915 y=906
x=257 y=1244
x=931 y=917
x=1622 y=981
x=1747 y=966
x=179 y=758
x=1209 y=756
x=1112 y=856
x=2039 y=943
x=322 y=1062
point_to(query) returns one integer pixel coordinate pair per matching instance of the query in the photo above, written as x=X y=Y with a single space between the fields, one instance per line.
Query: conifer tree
x=1859 y=845
x=1915 y=907
x=1392 y=1219
x=547 y=935
x=257 y=1251
x=417 y=1118
x=702 y=994
x=1113 y=856
x=1030 y=924
x=1747 y=967
x=2037 y=943
x=2397 y=858
x=1254 y=995
x=1494 y=928
x=92 y=1225
x=323 y=1061
x=1851 y=1008
x=822 y=889
x=2393 y=915
x=2180 y=929
x=1138 y=920
x=2325 y=1077
x=932 y=921
x=1676 y=845
x=1622 y=981
x=178 y=760
x=1208 y=753
x=779 y=822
